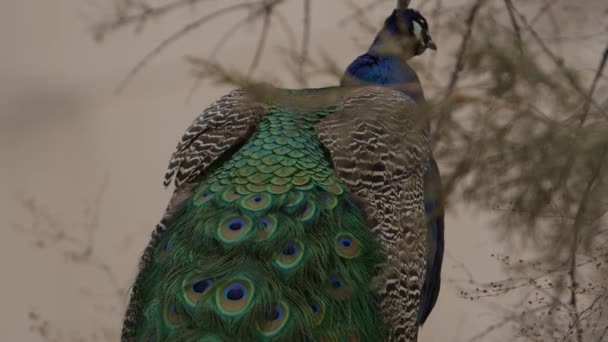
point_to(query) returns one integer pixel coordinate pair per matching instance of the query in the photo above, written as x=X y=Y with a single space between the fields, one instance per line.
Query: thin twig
x=233 y=30
x=147 y=12
x=227 y=36
x=596 y=78
x=458 y=66
x=176 y=36
x=93 y=225
x=305 y=43
x=582 y=209
x=287 y=29
x=577 y=226
x=463 y=46
x=546 y=6
x=603 y=334
x=516 y=29
x=361 y=10
x=216 y=50
x=559 y=62
x=437 y=25
x=263 y=37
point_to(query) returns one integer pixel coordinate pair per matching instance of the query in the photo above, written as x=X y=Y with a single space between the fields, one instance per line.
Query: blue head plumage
x=403 y=36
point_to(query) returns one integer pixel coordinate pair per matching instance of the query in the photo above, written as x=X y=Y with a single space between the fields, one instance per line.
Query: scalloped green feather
x=275 y=192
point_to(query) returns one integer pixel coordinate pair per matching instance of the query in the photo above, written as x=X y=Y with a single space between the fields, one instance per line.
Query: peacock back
x=269 y=247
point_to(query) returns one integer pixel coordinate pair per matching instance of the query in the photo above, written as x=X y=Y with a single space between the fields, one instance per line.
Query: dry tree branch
x=403 y=4
x=176 y=36
x=51 y=232
x=228 y=35
x=359 y=11
x=263 y=8
x=287 y=29
x=444 y=111
x=577 y=226
x=544 y=9
x=459 y=65
x=147 y=13
x=359 y=14
x=218 y=47
x=594 y=83
x=437 y=26
x=559 y=62
x=515 y=25
x=565 y=172
x=301 y=79
x=267 y=10
x=601 y=338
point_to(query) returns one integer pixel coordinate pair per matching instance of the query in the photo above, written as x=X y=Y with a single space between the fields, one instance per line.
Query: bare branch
x=176 y=36
x=459 y=65
x=262 y=41
x=515 y=25
x=145 y=13
x=305 y=43
x=403 y=4
x=558 y=61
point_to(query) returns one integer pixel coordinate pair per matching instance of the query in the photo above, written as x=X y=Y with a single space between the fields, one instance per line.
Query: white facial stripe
x=418 y=32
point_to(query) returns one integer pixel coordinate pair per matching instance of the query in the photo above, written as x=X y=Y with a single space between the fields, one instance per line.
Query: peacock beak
x=430 y=44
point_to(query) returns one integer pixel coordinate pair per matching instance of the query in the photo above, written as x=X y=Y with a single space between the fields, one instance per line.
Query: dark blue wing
x=434 y=210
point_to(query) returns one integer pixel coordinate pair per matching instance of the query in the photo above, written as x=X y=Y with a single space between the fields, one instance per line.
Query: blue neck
x=388 y=70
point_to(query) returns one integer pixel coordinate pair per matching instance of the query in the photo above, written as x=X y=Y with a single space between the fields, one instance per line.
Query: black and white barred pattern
x=224 y=125
x=379 y=145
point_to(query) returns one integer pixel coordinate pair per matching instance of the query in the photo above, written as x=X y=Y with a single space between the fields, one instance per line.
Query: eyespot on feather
x=337 y=287
x=327 y=200
x=309 y=211
x=318 y=311
x=256 y=202
x=347 y=246
x=195 y=287
x=234 y=228
x=290 y=255
x=231 y=194
x=294 y=200
x=203 y=197
x=235 y=296
x=173 y=315
x=275 y=320
x=268 y=227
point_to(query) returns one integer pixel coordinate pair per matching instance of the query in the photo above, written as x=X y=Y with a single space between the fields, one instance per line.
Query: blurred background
x=82 y=163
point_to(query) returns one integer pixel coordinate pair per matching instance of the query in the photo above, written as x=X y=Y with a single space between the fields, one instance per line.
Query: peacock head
x=405 y=33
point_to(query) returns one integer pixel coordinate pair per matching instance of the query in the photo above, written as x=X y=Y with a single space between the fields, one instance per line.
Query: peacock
x=301 y=215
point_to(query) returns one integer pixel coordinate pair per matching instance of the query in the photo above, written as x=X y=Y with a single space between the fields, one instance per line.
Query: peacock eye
x=235 y=291
x=275 y=314
x=201 y=285
x=290 y=249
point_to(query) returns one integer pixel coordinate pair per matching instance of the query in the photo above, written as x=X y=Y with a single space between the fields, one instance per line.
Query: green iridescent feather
x=268 y=248
x=290 y=204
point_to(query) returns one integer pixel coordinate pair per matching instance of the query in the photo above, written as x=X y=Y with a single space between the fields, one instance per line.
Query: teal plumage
x=297 y=215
